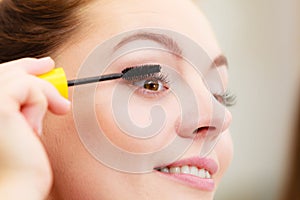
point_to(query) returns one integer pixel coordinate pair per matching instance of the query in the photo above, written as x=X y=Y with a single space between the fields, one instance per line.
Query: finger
x=34 y=110
x=31 y=65
x=13 y=73
x=40 y=97
x=57 y=104
x=24 y=90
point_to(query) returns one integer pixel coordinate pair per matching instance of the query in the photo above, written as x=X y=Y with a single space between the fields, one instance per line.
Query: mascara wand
x=57 y=77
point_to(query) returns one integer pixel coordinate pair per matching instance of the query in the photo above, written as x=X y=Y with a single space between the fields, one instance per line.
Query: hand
x=25 y=171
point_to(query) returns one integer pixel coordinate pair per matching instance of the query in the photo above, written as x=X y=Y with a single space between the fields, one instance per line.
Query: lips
x=194 y=172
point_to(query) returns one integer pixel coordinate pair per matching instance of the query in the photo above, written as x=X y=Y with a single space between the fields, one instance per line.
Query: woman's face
x=77 y=174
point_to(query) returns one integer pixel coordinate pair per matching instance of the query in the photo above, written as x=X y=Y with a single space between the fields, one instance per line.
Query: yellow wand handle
x=57 y=78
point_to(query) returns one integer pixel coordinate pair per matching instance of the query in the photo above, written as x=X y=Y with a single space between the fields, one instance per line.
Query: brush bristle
x=127 y=69
x=140 y=72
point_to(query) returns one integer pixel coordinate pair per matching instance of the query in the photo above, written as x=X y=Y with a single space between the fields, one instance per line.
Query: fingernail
x=46 y=60
x=67 y=102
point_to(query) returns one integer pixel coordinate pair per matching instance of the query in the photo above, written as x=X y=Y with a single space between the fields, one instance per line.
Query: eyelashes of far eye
x=228 y=99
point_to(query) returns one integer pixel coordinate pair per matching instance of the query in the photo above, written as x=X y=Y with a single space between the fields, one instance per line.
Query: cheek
x=224 y=152
x=136 y=113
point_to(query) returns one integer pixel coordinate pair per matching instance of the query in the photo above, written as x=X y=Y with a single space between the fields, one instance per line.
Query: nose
x=203 y=116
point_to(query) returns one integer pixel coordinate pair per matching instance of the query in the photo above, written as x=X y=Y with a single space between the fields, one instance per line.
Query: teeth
x=175 y=170
x=185 y=170
x=202 y=173
x=192 y=170
x=165 y=169
x=207 y=175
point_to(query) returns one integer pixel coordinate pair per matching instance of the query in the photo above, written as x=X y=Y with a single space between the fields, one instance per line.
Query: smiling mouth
x=194 y=172
x=191 y=170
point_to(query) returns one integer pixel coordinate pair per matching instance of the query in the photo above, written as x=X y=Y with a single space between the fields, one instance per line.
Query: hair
x=37 y=27
x=292 y=190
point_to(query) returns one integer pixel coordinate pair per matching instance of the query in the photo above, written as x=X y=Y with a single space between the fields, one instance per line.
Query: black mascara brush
x=127 y=74
x=58 y=78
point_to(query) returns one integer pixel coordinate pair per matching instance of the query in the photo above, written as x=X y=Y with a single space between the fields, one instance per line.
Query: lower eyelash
x=152 y=93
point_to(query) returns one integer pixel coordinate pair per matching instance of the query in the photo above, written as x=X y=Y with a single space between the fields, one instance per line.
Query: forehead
x=183 y=16
x=104 y=19
x=171 y=13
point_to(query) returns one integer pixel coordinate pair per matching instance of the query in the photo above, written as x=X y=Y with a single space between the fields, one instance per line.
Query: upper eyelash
x=161 y=77
x=228 y=99
x=158 y=77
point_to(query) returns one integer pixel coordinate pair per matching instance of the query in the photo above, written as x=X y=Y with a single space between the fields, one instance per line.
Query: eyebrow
x=168 y=43
x=161 y=39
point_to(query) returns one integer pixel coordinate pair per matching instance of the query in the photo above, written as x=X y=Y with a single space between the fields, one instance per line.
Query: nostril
x=203 y=130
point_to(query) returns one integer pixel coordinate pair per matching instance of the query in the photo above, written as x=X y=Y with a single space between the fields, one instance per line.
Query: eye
x=152 y=86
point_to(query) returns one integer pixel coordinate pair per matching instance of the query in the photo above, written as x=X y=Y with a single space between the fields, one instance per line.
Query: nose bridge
x=197 y=113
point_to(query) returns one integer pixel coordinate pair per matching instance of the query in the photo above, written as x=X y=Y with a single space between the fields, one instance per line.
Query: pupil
x=151 y=85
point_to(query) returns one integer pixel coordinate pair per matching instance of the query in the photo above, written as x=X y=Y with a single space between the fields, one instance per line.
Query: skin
x=76 y=174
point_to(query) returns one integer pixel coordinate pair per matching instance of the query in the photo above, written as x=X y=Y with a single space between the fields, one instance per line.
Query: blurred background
x=261 y=38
